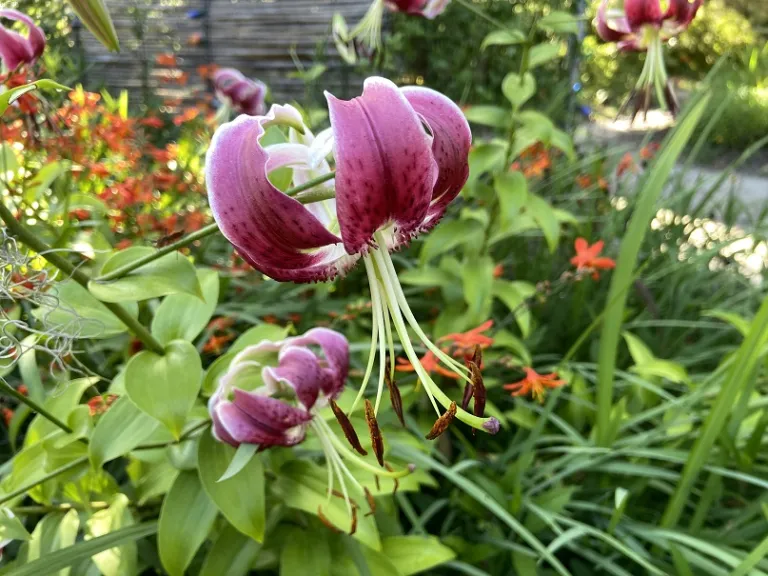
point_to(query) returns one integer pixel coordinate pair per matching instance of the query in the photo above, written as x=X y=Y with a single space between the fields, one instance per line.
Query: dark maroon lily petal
x=385 y=171
x=452 y=139
x=300 y=369
x=643 y=12
x=15 y=49
x=611 y=29
x=427 y=8
x=236 y=427
x=336 y=351
x=682 y=12
x=275 y=233
x=271 y=413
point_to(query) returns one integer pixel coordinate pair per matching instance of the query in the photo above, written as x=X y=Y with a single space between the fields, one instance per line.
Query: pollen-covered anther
x=394 y=396
x=371 y=501
x=377 y=442
x=479 y=391
x=469 y=392
x=353 y=527
x=348 y=429
x=442 y=423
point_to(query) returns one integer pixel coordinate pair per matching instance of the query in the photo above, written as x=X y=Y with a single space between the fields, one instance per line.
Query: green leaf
x=54 y=532
x=118 y=561
x=54 y=561
x=672 y=371
x=622 y=277
x=9 y=166
x=186 y=518
x=43 y=180
x=257 y=334
x=514 y=296
x=477 y=281
x=414 y=554
x=544 y=215
x=242 y=456
x=504 y=339
x=168 y=274
x=512 y=191
x=165 y=387
x=118 y=431
x=232 y=554
x=640 y=353
x=739 y=322
x=240 y=497
x=543 y=53
x=448 y=235
x=10 y=96
x=305 y=553
x=11 y=527
x=536 y=126
x=486 y=157
x=28 y=370
x=182 y=316
x=562 y=141
x=493 y=116
x=303 y=486
x=426 y=277
x=559 y=21
x=61 y=402
x=77 y=313
x=503 y=38
x=518 y=90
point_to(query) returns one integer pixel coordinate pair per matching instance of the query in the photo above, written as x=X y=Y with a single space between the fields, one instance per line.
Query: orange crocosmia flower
x=430 y=364
x=123 y=244
x=602 y=183
x=100 y=404
x=221 y=323
x=464 y=342
x=534 y=384
x=194 y=222
x=152 y=122
x=194 y=39
x=7 y=415
x=584 y=181
x=588 y=257
x=186 y=116
x=498 y=271
x=22 y=389
x=648 y=152
x=166 y=60
x=215 y=344
x=626 y=164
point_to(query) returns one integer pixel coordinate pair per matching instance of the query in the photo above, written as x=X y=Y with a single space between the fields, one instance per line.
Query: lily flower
x=588 y=259
x=239 y=93
x=534 y=384
x=272 y=392
x=401 y=158
x=16 y=49
x=643 y=26
x=368 y=30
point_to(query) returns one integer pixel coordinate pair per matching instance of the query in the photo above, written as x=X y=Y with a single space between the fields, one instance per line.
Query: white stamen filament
x=331 y=460
x=374 y=337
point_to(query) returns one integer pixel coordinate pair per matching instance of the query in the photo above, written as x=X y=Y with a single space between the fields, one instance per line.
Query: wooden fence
x=261 y=38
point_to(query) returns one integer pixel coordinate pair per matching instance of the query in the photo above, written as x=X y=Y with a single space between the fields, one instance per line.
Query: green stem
x=43 y=509
x=309 y=198
x=11 y=391
x=21 y=232
x=58 y=472
x=311 y=184
x=479 y=12
x=131 y=266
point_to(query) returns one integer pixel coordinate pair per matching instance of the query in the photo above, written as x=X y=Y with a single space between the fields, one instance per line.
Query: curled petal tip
x=491 y=426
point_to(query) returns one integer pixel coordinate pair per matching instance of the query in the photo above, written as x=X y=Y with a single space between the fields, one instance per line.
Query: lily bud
x=16 y=49
x=95 y=16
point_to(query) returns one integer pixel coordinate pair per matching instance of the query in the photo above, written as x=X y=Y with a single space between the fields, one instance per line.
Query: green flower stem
x=469 y=5
x=11 y=391
x=23 y=234
x=213 y=228
x=53 y=474
x=43 y=509
x=183 y=438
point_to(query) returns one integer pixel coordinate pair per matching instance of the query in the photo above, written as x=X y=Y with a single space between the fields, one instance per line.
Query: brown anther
x=353 y=528
x=349 y=430
x=477 y=355
x=479 y=391
x=394 y=396
x=371 y=501
x=395 y=480
x=378 y=484
x=469 y=391
x=377 y=442
x=442 y=423
x=325 y=520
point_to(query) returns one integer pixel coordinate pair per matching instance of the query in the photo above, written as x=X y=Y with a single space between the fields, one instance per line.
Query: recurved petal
x=33 y=44
x=235 y=427
x=682 y=12
x=299 y=368
x=335 y=349
x=451 y=141
x=275 y=233
x=385 y=171
x=610 y=27
x=271 y=413
x=642 y=12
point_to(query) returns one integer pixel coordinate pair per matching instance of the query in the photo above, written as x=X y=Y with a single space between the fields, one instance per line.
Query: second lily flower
x=400 y=156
